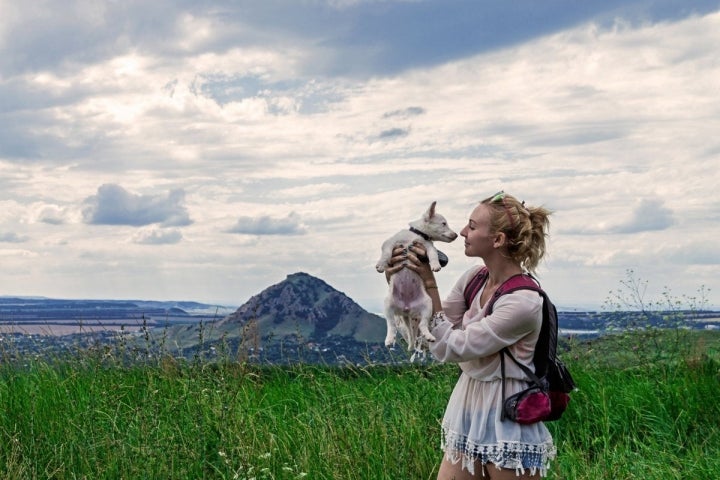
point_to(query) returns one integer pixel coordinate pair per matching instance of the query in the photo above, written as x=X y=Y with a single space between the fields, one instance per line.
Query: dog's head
x=434 y=226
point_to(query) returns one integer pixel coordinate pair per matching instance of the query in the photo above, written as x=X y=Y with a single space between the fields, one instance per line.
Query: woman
x=510 y=239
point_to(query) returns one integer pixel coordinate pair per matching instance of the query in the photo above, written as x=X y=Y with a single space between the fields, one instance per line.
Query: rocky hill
x=301 y=309
x=305 y=306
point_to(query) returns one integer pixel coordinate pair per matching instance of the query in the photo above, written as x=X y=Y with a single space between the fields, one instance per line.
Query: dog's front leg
x=433 y=258
x=387 y=252
x=382 y=262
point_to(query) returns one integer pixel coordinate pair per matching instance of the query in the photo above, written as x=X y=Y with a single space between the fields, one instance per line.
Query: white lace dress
x=472 y=428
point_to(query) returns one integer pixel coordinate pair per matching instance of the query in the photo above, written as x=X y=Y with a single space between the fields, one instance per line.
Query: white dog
x=408 y=308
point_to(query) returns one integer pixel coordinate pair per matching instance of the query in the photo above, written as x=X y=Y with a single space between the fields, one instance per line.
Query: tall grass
x=92 y=418
x=642 y=420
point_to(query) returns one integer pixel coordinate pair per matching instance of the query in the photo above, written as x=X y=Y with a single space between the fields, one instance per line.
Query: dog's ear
x=431 y=211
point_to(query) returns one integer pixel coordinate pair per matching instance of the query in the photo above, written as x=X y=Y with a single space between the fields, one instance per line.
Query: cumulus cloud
x=649 y=215
x=158 y=237
x=51 y=215
x=265 y=225
x=113 y=205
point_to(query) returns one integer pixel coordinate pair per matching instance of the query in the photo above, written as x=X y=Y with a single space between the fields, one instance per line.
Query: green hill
x=300 y=307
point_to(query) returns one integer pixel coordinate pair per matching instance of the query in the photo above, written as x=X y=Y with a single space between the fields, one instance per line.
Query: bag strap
x=530 y=374
x=474 y=286
x=538 y=383
x=516 y=282
x=502 y=374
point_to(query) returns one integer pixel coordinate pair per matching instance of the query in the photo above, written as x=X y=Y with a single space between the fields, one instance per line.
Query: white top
x=472 y=427
x=474 y=340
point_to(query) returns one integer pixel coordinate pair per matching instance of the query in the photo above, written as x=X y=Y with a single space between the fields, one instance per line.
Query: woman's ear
x=499 y=240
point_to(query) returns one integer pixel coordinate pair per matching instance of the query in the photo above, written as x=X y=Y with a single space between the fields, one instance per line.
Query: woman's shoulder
x=523 y=300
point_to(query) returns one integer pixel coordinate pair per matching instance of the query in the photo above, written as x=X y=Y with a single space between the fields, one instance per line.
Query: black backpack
x=551 y=375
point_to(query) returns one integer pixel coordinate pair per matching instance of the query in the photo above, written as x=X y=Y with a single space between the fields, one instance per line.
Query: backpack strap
x=530 y=374
x=474 y=286
x=546 y=346
x=516 y=282
x=522 y=281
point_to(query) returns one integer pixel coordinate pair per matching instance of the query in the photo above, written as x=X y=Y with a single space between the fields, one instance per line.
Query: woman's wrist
x=429 y=284
x=437 y=319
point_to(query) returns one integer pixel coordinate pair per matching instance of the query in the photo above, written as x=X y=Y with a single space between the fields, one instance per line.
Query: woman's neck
x=500 y=270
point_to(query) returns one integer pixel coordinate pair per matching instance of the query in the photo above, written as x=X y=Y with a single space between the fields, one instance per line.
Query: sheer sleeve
x=514 y=316
x=454 y=304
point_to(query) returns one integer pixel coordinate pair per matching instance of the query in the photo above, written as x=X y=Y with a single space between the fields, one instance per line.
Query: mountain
x=300 y=307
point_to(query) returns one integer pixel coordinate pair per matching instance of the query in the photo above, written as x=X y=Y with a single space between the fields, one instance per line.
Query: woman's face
x=478 y=238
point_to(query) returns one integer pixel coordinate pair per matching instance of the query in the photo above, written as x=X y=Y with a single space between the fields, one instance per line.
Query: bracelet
x=431 y=286
x=437 y=318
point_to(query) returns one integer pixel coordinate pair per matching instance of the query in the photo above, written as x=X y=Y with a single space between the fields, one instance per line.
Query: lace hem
x=513 y=455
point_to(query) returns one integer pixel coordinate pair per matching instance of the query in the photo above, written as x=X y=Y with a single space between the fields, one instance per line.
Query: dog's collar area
x=418 y=232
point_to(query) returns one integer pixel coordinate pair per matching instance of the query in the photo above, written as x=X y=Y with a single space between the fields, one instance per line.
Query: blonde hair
x=525 y=228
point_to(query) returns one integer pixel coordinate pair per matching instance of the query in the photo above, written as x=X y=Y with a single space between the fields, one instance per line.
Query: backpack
x=551 y=376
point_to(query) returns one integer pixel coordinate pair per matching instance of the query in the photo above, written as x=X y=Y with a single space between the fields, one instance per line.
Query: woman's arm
x=426 y=274
x=514 y=316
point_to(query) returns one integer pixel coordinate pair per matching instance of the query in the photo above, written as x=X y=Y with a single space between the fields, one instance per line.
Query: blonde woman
x=477 y=442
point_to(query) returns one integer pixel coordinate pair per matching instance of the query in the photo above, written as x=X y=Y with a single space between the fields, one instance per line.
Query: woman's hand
x=418 y=263
x=397 y=262
x=414 y=258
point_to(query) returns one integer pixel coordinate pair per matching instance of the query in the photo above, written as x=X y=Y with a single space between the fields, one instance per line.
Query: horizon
x=204 y=151
x=589 y=308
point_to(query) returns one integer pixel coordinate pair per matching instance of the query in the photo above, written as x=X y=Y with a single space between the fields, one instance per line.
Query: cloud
x=113 y=205
x=649 y=215
x=405 y=112
x=265 y=225
x=51 y=215
x=158 y=237
x=12 y=237
x=393 y=133
x=310 y=190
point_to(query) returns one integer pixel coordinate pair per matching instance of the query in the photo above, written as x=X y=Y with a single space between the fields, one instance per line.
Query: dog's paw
x=390 y=343
x=429 y=337
x=435 y=266
x=380 y=268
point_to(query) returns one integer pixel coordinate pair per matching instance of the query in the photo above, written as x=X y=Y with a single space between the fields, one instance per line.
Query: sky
x=197 y=150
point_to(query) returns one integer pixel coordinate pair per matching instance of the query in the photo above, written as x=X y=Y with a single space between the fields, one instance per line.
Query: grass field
x=646 y=408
